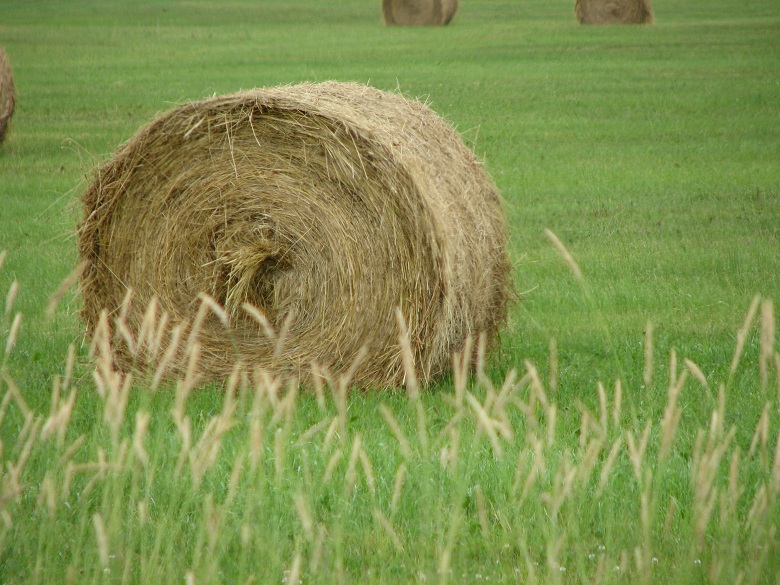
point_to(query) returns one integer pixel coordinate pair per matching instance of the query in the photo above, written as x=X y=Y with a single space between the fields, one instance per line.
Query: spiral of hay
x=7 y=94
x=419 y=12
x=328 y=207
x=614 y=11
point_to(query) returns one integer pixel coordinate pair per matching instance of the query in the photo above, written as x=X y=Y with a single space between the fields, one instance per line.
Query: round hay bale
x=419 y=12
x=328 y=207
x=614 y=11
x=7 y=94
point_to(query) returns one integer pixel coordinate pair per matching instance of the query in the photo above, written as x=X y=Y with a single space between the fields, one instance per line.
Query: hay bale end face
x=328 y=207
x=419 y=12
x=7 y=94
x=614 y=11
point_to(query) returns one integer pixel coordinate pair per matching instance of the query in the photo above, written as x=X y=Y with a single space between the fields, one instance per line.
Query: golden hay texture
x=326 y=206
x=614 y=11
x=419 y=12
x=7 y=94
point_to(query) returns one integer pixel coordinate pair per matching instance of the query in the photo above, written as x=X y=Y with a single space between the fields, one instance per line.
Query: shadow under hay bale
x=7 y=95
x=614 y=11
x=419 y=12
x=325 y=206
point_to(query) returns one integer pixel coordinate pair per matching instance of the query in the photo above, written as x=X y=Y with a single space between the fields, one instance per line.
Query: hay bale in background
x=448 y=10
x=7 y=94
x=419 y=12
x=614 y=11
x=326 y=206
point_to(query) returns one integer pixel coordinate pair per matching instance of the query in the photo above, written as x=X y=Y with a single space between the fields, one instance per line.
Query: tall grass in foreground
x=116 y=483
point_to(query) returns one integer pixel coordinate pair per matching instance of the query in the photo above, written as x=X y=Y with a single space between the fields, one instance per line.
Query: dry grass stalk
x=7 y=95
x=775 y=485
x=636 y=450
x=398 y=433
x=304 y=515
x=142 y=419
x=767 y=350
x=61 y=411
x=461 y=363
x=485 y=424
x=324 y=207
x=351 y=476
x=603 y=410
x=742 y=333
x=647 y=376
x=47 y=495
x=204 y=453
x=398 y=487
x=102 y=539
x=368 y=471
x=761 y=435
x=419 y=12
x=697 y=373
x=387 y=526
x=670 y=419
x=704 y=469
x=777 y=374
x=317 y=550
x=589 y=460
x=64 y=287
x=608 y=464
x=10 y=298
x=445 y=559
x=617 y=403
x=10 y=341
x=565 y=254
x=614 y=11
x=562 y=488
x=730 y=499
x=293 y=574
x=334 y=460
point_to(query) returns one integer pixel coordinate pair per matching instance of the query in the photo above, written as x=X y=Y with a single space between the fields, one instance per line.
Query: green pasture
x=652 y=152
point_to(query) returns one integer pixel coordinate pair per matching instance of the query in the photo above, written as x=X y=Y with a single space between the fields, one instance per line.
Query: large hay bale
x=419 y=12
x=326 y=206
x=7 y=94
x=614 y=11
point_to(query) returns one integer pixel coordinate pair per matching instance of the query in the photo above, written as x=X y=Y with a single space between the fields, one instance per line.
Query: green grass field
x=582 y=453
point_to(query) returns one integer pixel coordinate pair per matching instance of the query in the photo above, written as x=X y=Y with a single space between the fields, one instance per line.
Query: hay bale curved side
x=614 y=11
x=415 y=12
x=7 y=94
x=326 y=206
x=448 y=10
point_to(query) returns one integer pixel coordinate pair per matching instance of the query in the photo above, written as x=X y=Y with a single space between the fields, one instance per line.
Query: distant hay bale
x=614 y=11
x=448 y=10
x=419 y=12
x=325 y=206
x=7 y=94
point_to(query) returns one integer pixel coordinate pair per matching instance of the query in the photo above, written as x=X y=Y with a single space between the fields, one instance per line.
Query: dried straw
x=325 y=207
x=419 y=12
x=614 y=11
x=7 y=94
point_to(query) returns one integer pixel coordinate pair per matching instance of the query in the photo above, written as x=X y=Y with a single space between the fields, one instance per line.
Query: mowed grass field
x=626 y=430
